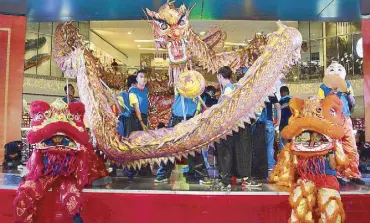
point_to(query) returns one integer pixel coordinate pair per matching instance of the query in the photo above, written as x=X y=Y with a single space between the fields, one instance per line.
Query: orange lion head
x=315 y=125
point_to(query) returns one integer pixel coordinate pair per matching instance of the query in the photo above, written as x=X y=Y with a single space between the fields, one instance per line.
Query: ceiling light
x=138 y=45
x=129 y=33
x=143 y=41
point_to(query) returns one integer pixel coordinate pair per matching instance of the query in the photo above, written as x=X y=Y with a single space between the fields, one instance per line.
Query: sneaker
x=357 y=181
x=205 y=181
x=159 y=179
x=341 y=181
x=250 y=183
x=240 y=180
x=224 y=187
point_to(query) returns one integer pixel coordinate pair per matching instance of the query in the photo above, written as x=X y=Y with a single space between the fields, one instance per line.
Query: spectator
x=114 y=65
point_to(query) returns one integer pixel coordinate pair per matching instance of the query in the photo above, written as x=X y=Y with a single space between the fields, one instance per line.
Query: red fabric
x=96 y=165
x=324 y=181
x=156 y=208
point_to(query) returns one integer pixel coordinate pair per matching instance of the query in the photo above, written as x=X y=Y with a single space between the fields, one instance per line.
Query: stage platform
x=180 y=202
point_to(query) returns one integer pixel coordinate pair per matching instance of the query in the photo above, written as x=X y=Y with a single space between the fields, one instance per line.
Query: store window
x=326 y=42
x=39 y=47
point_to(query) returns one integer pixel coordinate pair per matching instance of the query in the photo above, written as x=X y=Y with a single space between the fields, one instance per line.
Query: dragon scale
x=162 y=145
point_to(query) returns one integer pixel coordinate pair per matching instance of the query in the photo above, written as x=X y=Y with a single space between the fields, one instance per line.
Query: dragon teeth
x=172 y=159
x=192 y=153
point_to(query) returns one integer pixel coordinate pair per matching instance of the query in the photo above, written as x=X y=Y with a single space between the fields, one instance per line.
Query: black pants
x=259 y=162
x=137 y=125
x=234 y=155
x=133 y=124
x=197 y=168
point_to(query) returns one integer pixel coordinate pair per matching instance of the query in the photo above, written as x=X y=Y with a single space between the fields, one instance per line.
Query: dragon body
x=155 y=146
x=304 y=165
x=186 y=49
x=63 y=159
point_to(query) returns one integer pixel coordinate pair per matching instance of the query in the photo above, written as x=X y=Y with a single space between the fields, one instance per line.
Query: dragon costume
x=186 y=49
x=306 y=163
x=62 y=160
x=163 y=145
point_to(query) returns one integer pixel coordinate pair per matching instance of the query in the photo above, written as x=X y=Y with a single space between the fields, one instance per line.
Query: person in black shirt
x=114 y=65
x=285 y=113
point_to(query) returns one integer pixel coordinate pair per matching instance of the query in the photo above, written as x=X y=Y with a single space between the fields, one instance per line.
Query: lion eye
x=77 y=117
x=332 y=112
x=39 y=116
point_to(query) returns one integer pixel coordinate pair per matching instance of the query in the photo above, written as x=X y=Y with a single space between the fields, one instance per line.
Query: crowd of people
x=248 y=155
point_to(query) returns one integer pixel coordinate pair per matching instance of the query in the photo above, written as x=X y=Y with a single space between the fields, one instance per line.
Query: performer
x=126 y=118
x=184 y=109
x=285 y=113
x=237 y=148
x=139 y=101
x=138 y=96
x=308 y=162
x=335 y=83
x=70 y=92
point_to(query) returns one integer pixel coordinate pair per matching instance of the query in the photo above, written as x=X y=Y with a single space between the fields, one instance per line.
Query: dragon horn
x=192 y=7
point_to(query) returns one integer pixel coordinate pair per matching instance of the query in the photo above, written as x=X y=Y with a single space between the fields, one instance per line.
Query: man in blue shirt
x=139 y=100
x=184 y=109
x=236 y=151
x=267 y=117
x=285 y=113
x=70 y=92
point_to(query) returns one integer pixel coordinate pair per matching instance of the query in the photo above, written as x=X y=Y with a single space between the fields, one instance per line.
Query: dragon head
x=171 y=29
x=68 y=39
x=58 y=126
x=315 y=125
x=68 y=49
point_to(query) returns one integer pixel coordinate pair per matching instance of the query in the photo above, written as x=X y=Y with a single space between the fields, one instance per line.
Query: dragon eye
x=319 y=110
x=163 y=26
x=182 y=22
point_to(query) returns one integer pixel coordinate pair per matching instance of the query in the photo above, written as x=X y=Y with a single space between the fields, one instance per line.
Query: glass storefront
x=39 y=43
x=324 y=42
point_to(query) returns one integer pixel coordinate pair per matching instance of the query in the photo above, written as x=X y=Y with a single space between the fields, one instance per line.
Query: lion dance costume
x=334 y=81
x=62 y=159
x=307 y=164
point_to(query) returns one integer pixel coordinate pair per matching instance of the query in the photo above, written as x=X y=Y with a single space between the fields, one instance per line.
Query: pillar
x=12 y=45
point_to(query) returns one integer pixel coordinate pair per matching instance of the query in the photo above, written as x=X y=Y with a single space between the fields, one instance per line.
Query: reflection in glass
x=39 y=43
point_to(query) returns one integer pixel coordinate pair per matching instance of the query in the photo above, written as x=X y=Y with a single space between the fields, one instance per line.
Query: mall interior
x=70 y=69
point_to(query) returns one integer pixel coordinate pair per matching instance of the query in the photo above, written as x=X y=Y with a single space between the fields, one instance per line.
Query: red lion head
x=58 y=126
